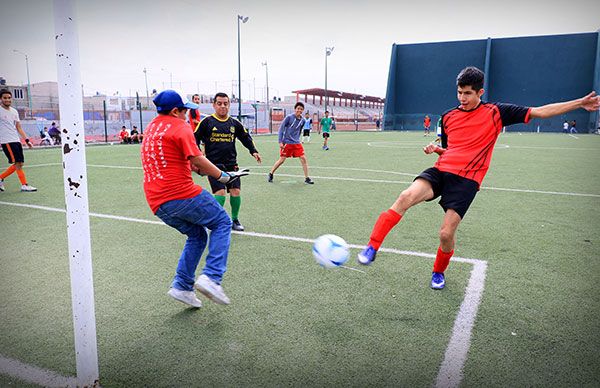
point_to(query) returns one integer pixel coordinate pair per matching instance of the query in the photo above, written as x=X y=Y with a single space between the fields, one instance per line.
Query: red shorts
x=291 y=150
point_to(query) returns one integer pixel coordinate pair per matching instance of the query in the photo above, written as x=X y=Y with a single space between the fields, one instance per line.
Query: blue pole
x=486 y=82
x=595 y=116
x=390 y=100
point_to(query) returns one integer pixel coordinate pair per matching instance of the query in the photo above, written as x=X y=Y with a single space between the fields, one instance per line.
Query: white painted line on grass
x=384 y=180
x=451 y=370
x=41 y=165
x=574 y=137
x=35 y=375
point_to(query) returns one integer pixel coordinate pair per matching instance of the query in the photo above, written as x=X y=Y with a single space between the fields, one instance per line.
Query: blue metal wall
x=529 y=71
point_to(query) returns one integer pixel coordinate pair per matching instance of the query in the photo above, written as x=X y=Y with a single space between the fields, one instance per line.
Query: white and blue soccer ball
x=330 y=251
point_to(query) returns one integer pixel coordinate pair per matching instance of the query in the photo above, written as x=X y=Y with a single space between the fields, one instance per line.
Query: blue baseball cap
x=166 y=100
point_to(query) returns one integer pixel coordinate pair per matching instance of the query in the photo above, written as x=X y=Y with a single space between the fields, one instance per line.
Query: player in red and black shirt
x=469 y=133
x=218 y=133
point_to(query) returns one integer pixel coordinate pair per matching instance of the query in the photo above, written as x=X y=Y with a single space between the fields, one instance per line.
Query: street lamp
x=267 y=78
x=328 y=51
x=170 y=76
x=28 y=82
x=243 y=19
x=147 y=94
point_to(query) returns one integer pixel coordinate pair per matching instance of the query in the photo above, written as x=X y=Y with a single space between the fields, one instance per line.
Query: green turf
x=292 y=323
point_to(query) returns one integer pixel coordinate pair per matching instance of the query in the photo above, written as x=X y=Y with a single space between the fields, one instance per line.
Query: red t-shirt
x=426 y=122
x=168 y=144
x=469 y=137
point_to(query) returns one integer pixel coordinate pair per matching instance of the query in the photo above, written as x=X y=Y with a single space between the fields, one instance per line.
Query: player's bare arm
x=204 y=166
x=591 y=103
x=23 y=135
x=257 y=156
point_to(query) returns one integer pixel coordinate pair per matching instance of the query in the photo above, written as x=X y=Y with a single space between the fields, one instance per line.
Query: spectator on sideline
x=194 y=114
x=289 y=142
x=218 y=133
x=54 y=133
x=135 y=135
x=10 y=130
x=566 y=127
x=469 y=133
x=167 y=152
x=124 y=136
x=45 y=136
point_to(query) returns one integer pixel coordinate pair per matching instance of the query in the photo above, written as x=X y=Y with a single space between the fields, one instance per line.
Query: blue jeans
x=193 y=217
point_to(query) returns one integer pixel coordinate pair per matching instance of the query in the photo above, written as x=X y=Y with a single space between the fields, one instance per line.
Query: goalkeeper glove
x=230 y=176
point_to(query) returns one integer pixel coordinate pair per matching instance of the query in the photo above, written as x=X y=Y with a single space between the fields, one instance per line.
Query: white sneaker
x=211 y=290
x=1 y=184
x=28 y=188
x=187 y=297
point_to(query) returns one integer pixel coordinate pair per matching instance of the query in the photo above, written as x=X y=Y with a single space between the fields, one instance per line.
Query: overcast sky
x=196 y=41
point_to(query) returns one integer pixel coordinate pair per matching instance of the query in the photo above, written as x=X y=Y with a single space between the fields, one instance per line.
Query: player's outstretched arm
x=591 y=103
x=203 y=166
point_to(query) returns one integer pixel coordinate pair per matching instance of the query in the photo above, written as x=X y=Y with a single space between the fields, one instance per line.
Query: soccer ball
x=330 y=251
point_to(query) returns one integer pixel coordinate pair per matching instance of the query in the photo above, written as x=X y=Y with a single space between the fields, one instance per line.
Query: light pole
x=170 y=76
x=328 y=51
x=146 y=79
x=267 y=78
x=243 y=19
x=28 y=82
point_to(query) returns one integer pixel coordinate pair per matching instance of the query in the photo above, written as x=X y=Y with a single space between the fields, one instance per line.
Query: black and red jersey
x=469 y=137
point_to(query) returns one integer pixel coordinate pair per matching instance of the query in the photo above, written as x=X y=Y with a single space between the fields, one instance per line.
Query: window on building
x=18 y=93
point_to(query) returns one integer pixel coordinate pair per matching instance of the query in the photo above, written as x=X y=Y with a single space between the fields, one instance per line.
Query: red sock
x=22 y=178
x=442 y=259
x=386 y=221
x=8 y=171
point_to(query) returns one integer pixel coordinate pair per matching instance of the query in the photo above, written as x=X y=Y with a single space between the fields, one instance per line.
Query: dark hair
x=326 y=111
x=5 y=91
x=299 y=104
x=220 y=94
x=195 y=95
x=470 y=76
x=123 y=127
x=168 y=112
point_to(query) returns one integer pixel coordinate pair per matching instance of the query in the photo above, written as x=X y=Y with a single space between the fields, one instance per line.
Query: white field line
x=32 y=374
x=380 y=180
x=451 y=370
x=574 y=137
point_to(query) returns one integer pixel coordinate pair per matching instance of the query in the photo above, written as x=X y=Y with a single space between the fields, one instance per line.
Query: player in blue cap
x=168 y=150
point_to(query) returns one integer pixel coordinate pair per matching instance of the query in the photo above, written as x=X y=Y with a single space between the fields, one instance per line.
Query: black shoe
x=237 y=226
x=270 y=179
x=308 y=181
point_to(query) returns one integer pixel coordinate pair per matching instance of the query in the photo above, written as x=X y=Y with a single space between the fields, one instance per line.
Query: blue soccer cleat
x=367 y=256
x=437 y=280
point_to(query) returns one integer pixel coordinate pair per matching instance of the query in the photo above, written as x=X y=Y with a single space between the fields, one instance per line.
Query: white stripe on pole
x=76 y=194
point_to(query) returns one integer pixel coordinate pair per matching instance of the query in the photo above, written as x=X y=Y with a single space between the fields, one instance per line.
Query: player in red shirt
x=469 y=133
x=426 y=124
x=168 y=150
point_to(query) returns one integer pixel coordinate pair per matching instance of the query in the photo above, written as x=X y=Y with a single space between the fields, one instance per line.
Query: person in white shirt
x=10 y=130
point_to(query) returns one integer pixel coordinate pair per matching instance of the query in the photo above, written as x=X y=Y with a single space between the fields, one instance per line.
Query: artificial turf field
x=533 y=230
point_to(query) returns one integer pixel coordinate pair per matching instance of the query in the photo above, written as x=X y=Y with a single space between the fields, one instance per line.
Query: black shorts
x=14 y=152
x=215 y=185
x=325 y=135
x=306 y=132
x=457 y=192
